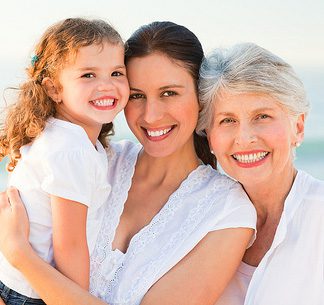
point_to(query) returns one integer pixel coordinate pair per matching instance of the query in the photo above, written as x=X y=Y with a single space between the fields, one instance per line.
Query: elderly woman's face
x=253 y=136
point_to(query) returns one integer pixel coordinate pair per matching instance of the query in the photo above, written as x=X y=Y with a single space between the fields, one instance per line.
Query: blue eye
x=136 y=96
x=88 y=75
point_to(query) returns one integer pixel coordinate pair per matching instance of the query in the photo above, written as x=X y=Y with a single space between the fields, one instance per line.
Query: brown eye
x=227 y=121
x=168 y=93
x=116 y=73
x=263 y=116
x=88 y=75
x=136 y=96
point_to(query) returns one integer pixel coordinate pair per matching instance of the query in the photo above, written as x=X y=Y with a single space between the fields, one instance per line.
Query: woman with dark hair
x=174 y=229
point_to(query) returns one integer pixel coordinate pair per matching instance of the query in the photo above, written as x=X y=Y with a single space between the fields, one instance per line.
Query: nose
x=245 y=135
x=153 y=111
x=105 y=84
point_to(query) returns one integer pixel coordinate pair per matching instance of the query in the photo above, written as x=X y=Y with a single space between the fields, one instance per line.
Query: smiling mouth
x=250 y=158
x=104 y=103
x=158 y=134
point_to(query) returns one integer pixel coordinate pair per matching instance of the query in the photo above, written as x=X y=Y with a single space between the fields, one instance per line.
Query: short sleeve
x=238 y=212
x=70 y=175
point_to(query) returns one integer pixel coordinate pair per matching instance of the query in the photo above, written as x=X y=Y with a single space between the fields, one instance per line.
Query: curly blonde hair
x=60 y=43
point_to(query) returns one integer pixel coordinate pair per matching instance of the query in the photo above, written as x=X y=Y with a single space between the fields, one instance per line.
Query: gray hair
x=248 y=68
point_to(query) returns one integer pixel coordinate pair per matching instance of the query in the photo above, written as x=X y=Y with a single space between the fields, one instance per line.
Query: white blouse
x=63 y=162
x=292 y=271
x=205 y=201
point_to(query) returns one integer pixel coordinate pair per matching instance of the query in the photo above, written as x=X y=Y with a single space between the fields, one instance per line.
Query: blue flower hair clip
x=34 y=60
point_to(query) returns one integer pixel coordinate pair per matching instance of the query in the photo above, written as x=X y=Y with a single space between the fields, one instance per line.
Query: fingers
x=13 y=197
x=4 y=201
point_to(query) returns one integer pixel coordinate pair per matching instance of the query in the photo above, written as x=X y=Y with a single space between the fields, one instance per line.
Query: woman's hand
x=14 y=226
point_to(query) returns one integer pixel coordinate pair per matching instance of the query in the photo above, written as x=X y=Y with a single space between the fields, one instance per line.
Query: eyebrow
x=226 y=113
x=96 y=68
x=171 y=86
x=161 y=88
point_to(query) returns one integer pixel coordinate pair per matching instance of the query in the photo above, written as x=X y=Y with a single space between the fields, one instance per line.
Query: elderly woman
x=253 y=110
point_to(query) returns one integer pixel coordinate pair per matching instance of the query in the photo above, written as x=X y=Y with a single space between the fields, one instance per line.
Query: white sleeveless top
x=204 y=202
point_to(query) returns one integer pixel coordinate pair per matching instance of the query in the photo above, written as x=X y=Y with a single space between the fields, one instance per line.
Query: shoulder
x=227 y=202
x=225 y=186
x=214 y=180
x=63 y=136
x=121 y=150
x=314 y=188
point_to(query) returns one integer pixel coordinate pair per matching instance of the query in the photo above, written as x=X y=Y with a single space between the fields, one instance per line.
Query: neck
x=269 y=197
x=169 y=170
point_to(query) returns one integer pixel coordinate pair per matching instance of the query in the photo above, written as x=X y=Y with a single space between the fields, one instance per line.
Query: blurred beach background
x=293 y=30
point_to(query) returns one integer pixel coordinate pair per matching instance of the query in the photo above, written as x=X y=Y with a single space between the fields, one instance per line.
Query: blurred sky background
x=291 y=29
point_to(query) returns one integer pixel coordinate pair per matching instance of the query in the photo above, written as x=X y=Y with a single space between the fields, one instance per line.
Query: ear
x=51 y=89
x=300 y=128
x=209 y=143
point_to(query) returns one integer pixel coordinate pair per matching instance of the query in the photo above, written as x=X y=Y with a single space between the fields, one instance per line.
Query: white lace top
x=204 y=202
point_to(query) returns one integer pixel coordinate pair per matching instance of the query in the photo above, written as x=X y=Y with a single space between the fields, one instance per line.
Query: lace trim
x=102 y=269
x=143 y=280
x=112 y=212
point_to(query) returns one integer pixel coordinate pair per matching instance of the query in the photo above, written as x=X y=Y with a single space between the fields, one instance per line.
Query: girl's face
x=162 y=110
x=253 y=136
x=94 y=87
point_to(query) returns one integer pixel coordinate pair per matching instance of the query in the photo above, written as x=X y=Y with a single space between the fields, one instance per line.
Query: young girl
x=57 y=131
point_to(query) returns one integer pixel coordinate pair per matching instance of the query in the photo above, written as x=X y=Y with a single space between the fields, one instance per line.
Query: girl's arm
x=53 y=287
x=70 y=247
x=202 y=275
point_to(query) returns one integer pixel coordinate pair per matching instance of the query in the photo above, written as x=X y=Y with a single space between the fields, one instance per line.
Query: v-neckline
x=158 y=215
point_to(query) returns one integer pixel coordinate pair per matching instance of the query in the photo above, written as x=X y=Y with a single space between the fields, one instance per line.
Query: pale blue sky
x=293 y=29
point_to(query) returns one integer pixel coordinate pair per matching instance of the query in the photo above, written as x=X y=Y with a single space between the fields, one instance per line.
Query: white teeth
x=108 y=102
x=158 y=133
x=250 y=158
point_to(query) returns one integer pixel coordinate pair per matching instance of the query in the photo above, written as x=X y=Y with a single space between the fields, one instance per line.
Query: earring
x=297 y=144
x=212 y=152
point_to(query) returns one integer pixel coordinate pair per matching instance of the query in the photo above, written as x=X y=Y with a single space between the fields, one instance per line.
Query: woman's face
x=253 y=136
x=162 y=110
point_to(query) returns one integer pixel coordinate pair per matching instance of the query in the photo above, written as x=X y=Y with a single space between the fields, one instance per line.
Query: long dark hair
x=180 y=44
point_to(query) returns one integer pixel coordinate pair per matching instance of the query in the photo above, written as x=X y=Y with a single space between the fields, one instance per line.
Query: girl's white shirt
x=292 y=271
x=205 y=201
x=62 y=162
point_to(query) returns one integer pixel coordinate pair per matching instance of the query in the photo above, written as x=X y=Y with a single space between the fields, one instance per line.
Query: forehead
x=245 y=102
x=156 y=68
x=86 y=53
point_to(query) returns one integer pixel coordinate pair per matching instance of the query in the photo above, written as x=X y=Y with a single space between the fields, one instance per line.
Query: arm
x=70 y=247
x=199 y=278
x=53 y=287
x=202 y=275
